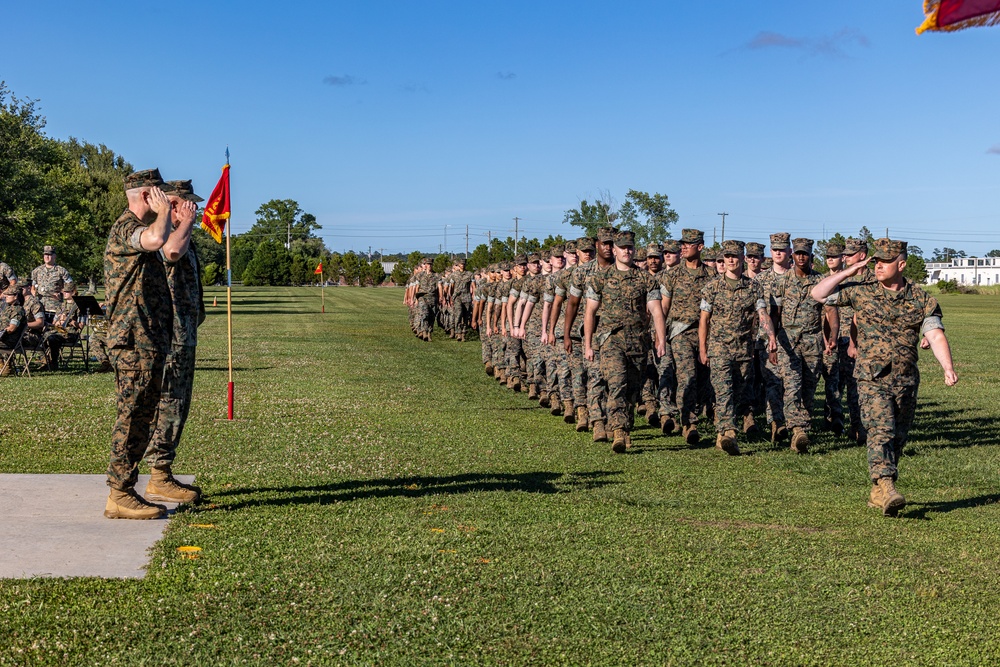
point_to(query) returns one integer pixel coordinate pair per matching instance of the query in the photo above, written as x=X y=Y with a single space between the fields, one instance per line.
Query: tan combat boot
x=877 y=497
x=543 y=400
x=555 y=408
x=652 y=416
x=749 y=425
x=668 y=425
x=533 y=392
x=164 y=487
x=778 y=433
x=726 y=441
x=641 y=409
x=568 y=412
x=489 y=369
x=127 y=505
x=800 y=441
x=892 y=500
x=600 y=432
x=620 y=443
x=582 y=419
x=691 y=435
x=516 y=386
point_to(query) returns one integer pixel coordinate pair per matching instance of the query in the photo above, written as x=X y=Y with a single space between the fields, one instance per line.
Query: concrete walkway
x=54 y=526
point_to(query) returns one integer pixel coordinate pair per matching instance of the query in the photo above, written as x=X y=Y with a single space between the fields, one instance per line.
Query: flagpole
x=229 y=310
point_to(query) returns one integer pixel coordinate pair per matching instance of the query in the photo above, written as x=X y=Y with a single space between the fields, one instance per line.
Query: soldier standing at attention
x=140 y=322
x=557 y=322
x=833 y=413
x=515 y=350
x=774 y=389
x=626 y=296
x=755 y=260
x=48 y=279
x=527 y=324
x=648 y=402
x=729 y=307
x=551 y=397
x=681 y=289
x=891 y=314
x=425 y=293
x=184 y=281
x=461 y=299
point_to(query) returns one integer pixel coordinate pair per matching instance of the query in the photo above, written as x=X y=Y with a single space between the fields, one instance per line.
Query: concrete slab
x=54 y=526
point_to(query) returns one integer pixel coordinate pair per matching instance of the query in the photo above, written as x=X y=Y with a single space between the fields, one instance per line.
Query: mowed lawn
x=379 y=500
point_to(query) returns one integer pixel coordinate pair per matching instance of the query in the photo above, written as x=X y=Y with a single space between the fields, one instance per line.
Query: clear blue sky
x=391 y=120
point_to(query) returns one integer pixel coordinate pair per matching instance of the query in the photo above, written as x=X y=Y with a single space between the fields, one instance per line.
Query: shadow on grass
x=416 y=487
x=922 y=510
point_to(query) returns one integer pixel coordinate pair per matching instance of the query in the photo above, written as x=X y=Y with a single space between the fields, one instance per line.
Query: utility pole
x=466 y=242
x=369 y=253
x=723 y=225
x=446 y=237
x=516 y=220
x=489 y=245
x=288 y=243
x=713 y=236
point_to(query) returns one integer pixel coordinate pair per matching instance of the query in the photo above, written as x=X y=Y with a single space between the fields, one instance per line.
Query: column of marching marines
x=597 y=332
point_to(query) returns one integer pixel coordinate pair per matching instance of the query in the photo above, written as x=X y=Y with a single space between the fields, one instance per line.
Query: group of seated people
x=42 y=331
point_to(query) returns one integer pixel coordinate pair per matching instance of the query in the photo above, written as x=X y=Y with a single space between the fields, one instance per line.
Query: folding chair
x=10 y=354
x=32 y=351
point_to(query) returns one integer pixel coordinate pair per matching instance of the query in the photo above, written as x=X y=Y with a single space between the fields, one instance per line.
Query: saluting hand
x=184 y=212
x=159 y=203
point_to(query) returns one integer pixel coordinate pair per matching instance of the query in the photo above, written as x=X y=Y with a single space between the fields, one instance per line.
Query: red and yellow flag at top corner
x=319 y=269
x=217 y=208
x=951 y=15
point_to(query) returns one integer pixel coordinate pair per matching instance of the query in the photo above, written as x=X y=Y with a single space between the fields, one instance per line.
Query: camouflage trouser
x=622 y=364
x=800 y=369
x=650 y=380
x=425 y=314
x=499 y=350
x=550 y=384
x=774 y=388
x=175 y=402
x=684 y=348
x=564 y=375
x=597 y=390
x=667 y=384
x=887 y=411
x=578 y=374
x=486 y=343
x=515 y=350
x=757 y=383
x=849 y=385
x=98 y=347
x=533 y=353
x=830 y=369
x=462 y=316
x=139 y=378
x=731 y=379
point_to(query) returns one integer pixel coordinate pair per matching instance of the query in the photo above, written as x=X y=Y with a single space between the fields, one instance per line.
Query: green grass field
x=379 y=500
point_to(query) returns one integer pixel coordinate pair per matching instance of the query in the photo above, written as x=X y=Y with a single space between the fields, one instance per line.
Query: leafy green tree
x=298 y=271
x=376 y=272
x=993 y=253
x=333 y=268
x=278 y=218
x=271 y=265
x=552 y=241
x=648 y=216
x=211 y=274
x=401 y=273
x=591 y=216
x=208 y=251
x=501 y=251
x=241 y=252
x=351 y=267
x=947 y=254
x=441 y=262
x=916 y=269
x=479 y=258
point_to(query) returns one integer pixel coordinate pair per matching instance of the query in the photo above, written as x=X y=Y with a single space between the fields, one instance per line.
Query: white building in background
x=966 y=271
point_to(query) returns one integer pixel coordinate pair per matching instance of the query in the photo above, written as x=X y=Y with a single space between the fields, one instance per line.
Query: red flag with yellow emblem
x=949 y=15
x=217 y=209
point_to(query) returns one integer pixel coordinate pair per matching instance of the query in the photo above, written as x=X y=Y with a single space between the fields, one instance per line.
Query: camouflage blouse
x=623 y=296
x=135 y=282
x=733 y=305
x=890 y=326
x=684 y=287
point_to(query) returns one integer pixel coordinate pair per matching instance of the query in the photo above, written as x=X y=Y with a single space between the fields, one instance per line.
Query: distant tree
x=916 y=268
x=552 y=241
x=946 y=254
x=441 y=262
x=211 y=274
x=333 y=267
x=207 y=249
x=479 y=258
x=376 y=272
x=501 y=251
x=351 y=267
x=401 y=273
x=994 y=253
x=270 y=265
x=278 y=218
x=241 y=252
x=592 y=216
x=299 y=273
x=649 y=216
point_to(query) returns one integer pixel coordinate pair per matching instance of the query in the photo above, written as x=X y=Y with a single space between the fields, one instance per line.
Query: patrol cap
x=181 y=189
x=708 y=255
x=585 y=244
x=505 y=266
x=570 y=247
x=520 y=260
x=671 y=246
x=833 y=249
x=779 y=241
x=640 y=255
x=48 y=250
x=887 y=250
x=546 y=255
x=12 y=290
x=625 y=239
x=534 y=257
x=23 y=283
x=426 y=260
x=69 y=287
x=754 y=249
x=720 y=256
x=802 y=245
x=606 y=235
x=654 y=250
x=692 y=236
x=853 y=246
x=558 y=250
x=147 y=178
x=733 y=247
x=460 y=260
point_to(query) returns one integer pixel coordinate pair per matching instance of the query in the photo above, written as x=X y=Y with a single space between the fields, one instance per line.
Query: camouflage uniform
x=684 y=288
x=48 y=282
x=34 y=311
x=595 y=389
x=426 y=296
x=515 y=346
x=184 y=281
x=64 y=329
x=774 y=388
x=140 y=322
x=7 y=276
x=622 y=335
x=10 y=313
x=531 y=292
x=754 y=249
x=553 y=354
x=571 y=387
x=461 y=296
x=800 y=342
x=890 y=325
x=733 y=306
